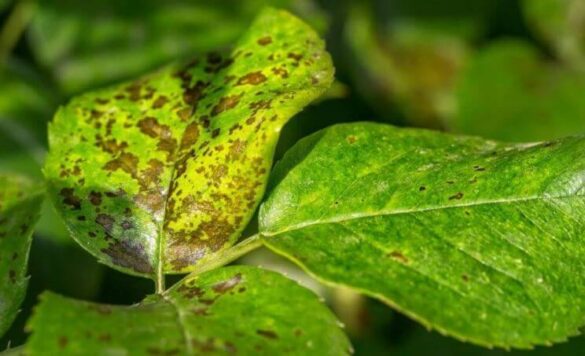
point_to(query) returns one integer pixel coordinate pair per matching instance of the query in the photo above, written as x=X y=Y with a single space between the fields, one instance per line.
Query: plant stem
x=15 y=26
x=224 y=257
x=159 y=283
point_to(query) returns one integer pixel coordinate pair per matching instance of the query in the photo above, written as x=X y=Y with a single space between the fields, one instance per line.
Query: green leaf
x=243 y=310
x=153 y=175
x=562 y=24
x=26 y=105
x=20 y=202
x=477 y=239
x=95 y=42
x=510 y=92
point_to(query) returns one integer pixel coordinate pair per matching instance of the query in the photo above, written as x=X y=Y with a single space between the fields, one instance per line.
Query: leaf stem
x=159 y=283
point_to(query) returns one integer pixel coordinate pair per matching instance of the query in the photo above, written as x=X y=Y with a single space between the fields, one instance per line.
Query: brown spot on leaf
x=69 y=198
x=226 y=103
x=129 y=254
x=265 y=41
x=63 y=341
x=95 y=198
x=127 y=162
x=253 y=78
x=457 y=196
x=296 y=57
x=226 y=286
x=267 y=334
x=160 y=102
x=398 y=256
x=106 y=221
x=152 y=128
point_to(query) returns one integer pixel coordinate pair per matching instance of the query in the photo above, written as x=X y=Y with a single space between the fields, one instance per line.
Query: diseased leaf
x=243 y=310
x=153 y=175
x=20 y=203
x=477 y=239
x=510 y=92
x=562 y=24
x=95 y=42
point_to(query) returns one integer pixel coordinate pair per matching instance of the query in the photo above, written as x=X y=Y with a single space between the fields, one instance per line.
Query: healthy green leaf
x=562 y=24
x=20 y=202
x=477 y=239
x=243 y=310
x=510 y=92
x=153 y=175
x=95 y=42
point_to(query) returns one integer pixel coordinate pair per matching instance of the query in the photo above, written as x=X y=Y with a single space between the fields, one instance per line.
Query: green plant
x=161 y=175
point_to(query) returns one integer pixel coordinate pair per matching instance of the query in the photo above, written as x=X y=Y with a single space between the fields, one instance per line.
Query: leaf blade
x=20 y=203
x=196 y=316
x=435 y=224
x=183 y=154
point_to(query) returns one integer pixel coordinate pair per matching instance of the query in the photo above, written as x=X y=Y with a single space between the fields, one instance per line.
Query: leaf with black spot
x=242 y=310
x=153 y=175
x=480 y=240
x=20 y=202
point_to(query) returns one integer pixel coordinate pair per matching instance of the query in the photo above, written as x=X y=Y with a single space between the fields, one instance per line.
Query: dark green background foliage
x=506 y=70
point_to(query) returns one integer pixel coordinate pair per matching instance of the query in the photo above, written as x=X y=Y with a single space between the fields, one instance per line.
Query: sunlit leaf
x=480 y=240
x=20 y=202
x=242 y=310
x=154 y=174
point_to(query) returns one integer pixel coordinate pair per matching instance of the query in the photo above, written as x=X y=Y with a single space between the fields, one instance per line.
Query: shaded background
x=510 y=70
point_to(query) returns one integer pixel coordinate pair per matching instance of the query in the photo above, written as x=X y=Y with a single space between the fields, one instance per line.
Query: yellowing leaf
x=155 y=174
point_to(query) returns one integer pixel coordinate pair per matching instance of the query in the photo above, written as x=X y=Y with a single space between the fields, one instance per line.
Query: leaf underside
x=153 y=175
x=477 y=239
x=20 y=203
x=243 y=310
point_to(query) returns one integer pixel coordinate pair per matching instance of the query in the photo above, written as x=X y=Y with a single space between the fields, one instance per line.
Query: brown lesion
x=253 y=78
x=126 y=162
x=226 y=103
x=264 y=41
x=70 y=199
x=129 y=254
x=398 y=256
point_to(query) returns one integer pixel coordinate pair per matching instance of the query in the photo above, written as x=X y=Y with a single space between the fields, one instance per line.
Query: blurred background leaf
x=95 y=42
x=510 y=92
x=561 y=23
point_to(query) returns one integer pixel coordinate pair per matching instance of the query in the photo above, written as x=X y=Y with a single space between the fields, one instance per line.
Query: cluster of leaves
x=164 y=174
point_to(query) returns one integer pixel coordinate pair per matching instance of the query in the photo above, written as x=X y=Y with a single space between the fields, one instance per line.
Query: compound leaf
x=153 y=175
x=243 y=310
x=477 y=239
x=20 y=202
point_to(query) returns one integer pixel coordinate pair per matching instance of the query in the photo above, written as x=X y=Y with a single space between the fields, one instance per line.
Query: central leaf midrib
x=356 y=216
